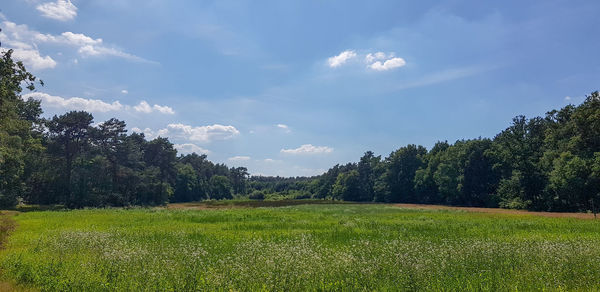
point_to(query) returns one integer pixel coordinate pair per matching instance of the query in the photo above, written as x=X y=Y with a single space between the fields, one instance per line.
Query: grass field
x=303 y=247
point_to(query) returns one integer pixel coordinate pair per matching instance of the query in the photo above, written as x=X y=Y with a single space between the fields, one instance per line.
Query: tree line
x=70 y=161
x=549 y=163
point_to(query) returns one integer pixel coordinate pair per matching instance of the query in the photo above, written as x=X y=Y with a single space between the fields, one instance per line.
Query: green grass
x=305 y=247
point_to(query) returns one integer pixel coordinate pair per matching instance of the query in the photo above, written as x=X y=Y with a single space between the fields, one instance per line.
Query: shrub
x=257 y=195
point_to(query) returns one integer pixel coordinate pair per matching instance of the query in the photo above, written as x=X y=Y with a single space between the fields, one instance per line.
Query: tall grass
x=316 y=247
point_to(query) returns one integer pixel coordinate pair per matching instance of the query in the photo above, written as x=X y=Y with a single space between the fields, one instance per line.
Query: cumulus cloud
x=381 y=61
x=61 y=10
x=163 y=109
x=202 y=133
x=284 y=127
x=124 y=91
x=388 y=64
x=340 y=59
x=75 y=103
x=239 y=158
x=372 y=57
x=567 y=98
x=26 y=41
x=93 y=105
x=33 y=59
x=308 y=149
x=188 y=148
x=144 y=107
x=378 y=61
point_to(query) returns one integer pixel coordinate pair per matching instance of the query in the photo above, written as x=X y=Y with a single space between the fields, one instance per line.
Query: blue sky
x=293 y=87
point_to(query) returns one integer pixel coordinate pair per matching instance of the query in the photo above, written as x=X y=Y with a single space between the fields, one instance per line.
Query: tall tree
x=110 y=136
x=70 y=135
x=402 y=165
x=347 y=186
x=518 y=151
x=239 y=178
x=368 y=172
x=17 y=118
x=159 y=153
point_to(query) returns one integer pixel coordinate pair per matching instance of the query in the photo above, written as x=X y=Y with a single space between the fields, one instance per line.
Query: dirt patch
x=498 y=211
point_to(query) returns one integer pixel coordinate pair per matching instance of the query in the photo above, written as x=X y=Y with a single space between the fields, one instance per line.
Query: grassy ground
x=305 y=247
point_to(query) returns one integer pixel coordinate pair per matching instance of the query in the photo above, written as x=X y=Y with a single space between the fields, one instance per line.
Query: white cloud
x=201 y=134
x=340 y=59
x=150 y=134
x=74 y=39
x=75 y=103
x=21 y=37
x=94 y=105
x=372 y=57
x=138 y=130
x=284 y=127
x=388 y=64
x=239 y=158
x=188 y=148
x=124 y=91
x=144 y=107
x=32 y=59
x=378 y=61
x=308 y=149
x=61 y=10
x=163 y=109
x=567 y=98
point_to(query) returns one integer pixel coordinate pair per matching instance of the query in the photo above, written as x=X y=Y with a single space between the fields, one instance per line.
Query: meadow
x=300 y=247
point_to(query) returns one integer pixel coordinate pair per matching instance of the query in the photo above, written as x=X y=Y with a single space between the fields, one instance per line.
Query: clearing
x=300 y=247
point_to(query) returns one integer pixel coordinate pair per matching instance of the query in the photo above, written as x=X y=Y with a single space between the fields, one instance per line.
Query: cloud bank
x=94 y=105
x=25 y=42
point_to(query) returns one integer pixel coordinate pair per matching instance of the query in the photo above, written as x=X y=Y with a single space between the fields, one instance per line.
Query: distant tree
x=368 y=171
x=187 y=185
x=426 y=188
x=239 y=177
x=402 y=165
x=110 y=136
x=159 y=153
x=220 y=187
x=519 y=150
x=347 y=186
x=568 y=183
x=70 y=136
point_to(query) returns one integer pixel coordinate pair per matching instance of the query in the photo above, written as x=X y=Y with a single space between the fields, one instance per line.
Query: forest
x=549 y=163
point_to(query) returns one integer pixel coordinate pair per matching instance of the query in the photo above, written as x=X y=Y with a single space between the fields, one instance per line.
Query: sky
x=292 y=88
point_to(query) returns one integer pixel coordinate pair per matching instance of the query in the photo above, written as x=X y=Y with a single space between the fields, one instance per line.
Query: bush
x=257 y=195
x=302 y=196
